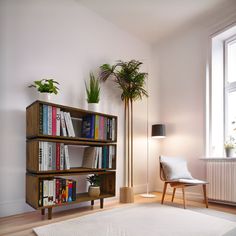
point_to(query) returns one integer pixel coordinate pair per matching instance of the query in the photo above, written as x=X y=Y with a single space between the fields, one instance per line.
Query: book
x=54 y=156
x=45 y=156
x=77 y=125
x=45 y=192
x=99 y=157
x=71 y=125
x=67 y=159
x=49 y=120
x=45 y=119
x=89 y=157
x=63 y=124
x=58 y=153
x=41 y=119
x=62 y=156
x=67 y=122
x=40 y=155
x=54 y=121
x=58 y=121
x=73 y=190
x=96 y=127
x=49 y=156
x=40 y=193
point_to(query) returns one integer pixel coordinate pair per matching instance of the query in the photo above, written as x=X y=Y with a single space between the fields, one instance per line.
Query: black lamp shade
x=158 y=131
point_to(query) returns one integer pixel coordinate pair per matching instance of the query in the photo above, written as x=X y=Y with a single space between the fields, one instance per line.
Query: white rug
x=140 y=220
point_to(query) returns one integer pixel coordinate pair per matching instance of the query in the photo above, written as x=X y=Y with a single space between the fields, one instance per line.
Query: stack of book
x=98 y=127
x=56 y=191
x=53 y=156
x=53 y=121
x=99 y=157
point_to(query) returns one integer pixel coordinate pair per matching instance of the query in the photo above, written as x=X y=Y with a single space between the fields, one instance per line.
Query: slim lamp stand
x=147 y=195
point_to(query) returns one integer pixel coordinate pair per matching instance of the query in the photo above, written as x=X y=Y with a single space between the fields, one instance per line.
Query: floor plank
x=22 y=224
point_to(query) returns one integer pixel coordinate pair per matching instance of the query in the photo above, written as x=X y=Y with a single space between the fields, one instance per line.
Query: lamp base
x=148 y=195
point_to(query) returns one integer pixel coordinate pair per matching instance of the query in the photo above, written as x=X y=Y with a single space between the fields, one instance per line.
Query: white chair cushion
x=175 y=168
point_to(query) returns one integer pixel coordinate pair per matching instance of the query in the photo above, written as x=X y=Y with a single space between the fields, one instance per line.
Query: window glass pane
x=231 y=116
x=231 y=62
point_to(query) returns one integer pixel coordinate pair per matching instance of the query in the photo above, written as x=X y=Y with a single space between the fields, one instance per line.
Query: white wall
x=62 y=39
x=181 y=63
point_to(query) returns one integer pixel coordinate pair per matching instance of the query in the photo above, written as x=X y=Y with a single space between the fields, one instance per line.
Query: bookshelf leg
x=101 y=202
x=92 y=202
x=43 y=212
x=49 y=213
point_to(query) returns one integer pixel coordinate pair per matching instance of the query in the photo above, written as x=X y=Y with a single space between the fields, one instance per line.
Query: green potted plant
x=45 y=87
x=93 y=93
x=230 y=147
x=94 y=188
x=132 y=84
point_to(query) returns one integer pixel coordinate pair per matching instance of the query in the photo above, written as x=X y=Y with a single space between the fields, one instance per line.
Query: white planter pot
x=229 y=152
x=94 y=191
x=93 y=107
x=45 y=97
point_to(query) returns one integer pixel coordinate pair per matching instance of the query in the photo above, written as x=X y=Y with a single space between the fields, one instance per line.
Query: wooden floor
x=23 y=224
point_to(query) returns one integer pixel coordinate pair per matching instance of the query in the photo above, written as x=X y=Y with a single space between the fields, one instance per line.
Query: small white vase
x=93 y=107
x=45 y=97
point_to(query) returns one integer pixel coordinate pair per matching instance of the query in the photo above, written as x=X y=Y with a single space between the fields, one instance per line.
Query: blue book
x=104 y=155
x=92 y=126
x=45 y=119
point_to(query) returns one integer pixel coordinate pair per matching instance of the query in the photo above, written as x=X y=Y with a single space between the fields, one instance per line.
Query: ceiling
x=151 y=20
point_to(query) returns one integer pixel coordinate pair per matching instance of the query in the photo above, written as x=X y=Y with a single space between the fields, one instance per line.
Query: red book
x=57 y=190
x=58 y=156
x=54 y=121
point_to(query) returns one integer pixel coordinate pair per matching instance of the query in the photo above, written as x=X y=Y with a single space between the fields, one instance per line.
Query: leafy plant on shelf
x=94 y=180
x=46 y=86
x=230 y=144
x=93 y=90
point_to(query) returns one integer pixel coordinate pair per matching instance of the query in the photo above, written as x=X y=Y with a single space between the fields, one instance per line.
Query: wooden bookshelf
x=34 y=175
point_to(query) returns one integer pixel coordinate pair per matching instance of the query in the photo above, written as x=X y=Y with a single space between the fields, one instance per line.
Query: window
x=221 y=97
x=230 y=88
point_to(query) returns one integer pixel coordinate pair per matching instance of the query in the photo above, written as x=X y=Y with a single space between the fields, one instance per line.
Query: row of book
x=53 y=121
x=53 y=156
x=99 y=157
x=56 y=191
x=98 y=127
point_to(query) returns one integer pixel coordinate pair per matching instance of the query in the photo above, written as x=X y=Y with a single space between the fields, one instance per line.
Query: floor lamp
x=158 y=131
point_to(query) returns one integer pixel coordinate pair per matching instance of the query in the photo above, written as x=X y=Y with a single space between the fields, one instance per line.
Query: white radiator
x=221 y=175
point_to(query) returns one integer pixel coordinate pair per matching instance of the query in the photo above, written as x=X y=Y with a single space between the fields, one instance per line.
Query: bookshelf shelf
x=48 y=155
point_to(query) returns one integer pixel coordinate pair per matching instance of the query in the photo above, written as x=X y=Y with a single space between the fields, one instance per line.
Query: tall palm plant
x=131 y=81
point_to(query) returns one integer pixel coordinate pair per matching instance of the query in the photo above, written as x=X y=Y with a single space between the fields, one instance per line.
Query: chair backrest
x=172 y=168
x=162 y=174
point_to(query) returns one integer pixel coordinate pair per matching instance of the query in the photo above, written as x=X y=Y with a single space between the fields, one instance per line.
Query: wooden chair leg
x=50 y=213
x=173 y=195
x=205 y=194
x=164 y=192
x=43 y=212
x=183 y=190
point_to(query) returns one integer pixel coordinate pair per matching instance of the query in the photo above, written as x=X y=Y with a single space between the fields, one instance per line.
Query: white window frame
x=228 y=87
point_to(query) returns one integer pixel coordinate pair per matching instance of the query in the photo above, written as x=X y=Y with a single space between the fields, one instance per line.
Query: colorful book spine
x=49 y=156
x=62 y=156
x=58 y=156
x=45 y=119
x=63 y=124
x=54 y=121
x=58 y=121
x=40 y=119
x=96 y=136
x=49 y=120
